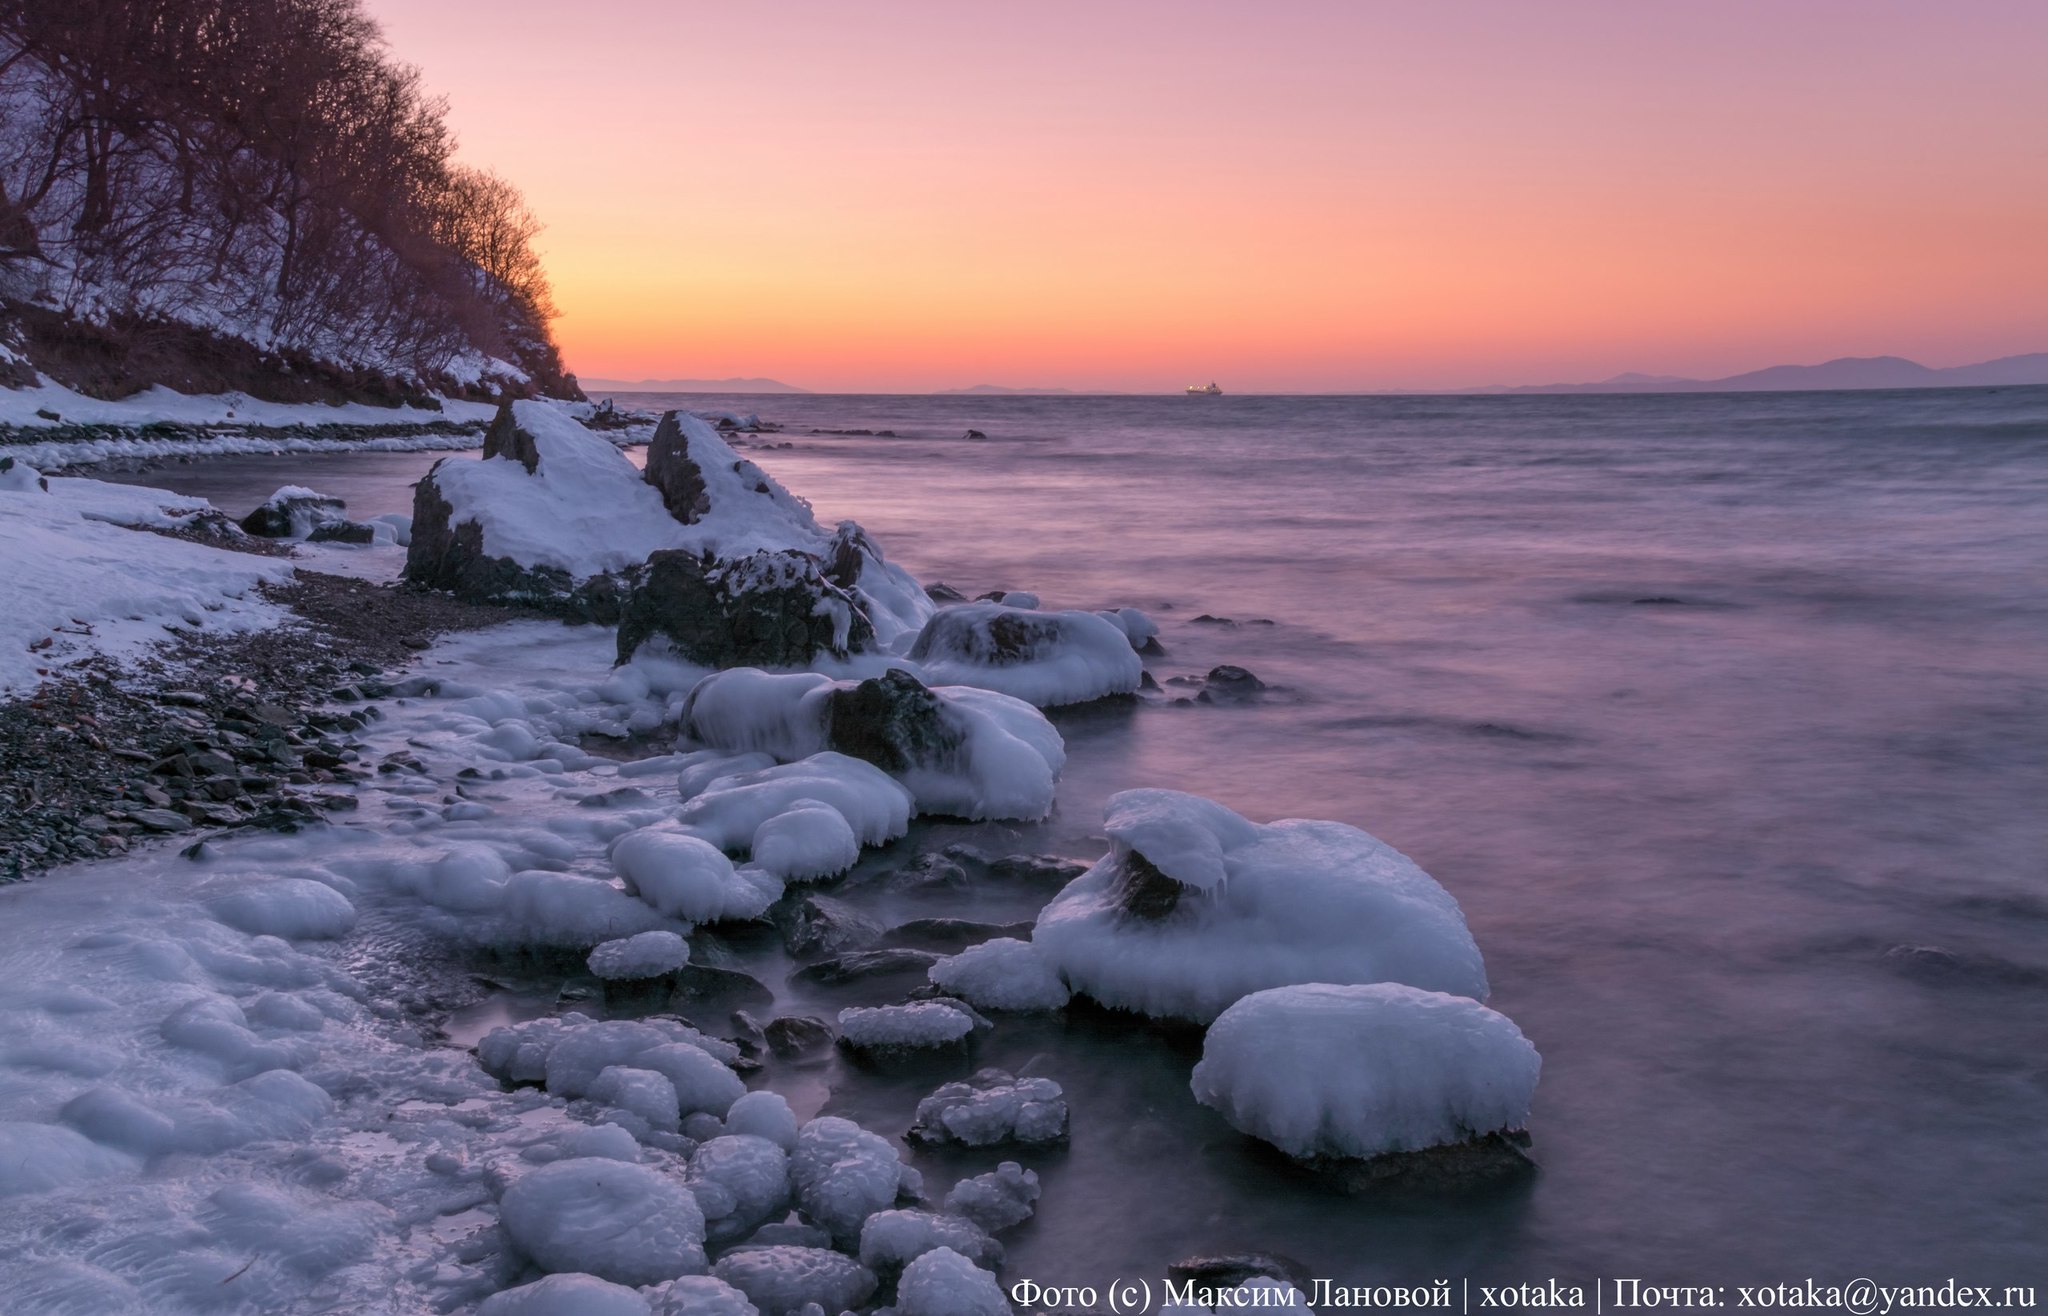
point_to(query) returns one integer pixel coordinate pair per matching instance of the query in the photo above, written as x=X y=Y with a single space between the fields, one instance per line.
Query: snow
x=304 y=509
x=944 y=1283
x=781 y=1280
x=1138 y=628
x=647 y=955
x=290 y=907
x=842 y=1174
x=640 y=1092
x=1004 y=761
x=730 y=810
x=160 y=405
x=922 y=1024
x=764 y=1115
x=1002 y=974
x=1001 y=1199
x=807 y=841
x=699 y=1295
x=684 y=876
x=991 y=1108
x=1238 y=906
x=80 y=584
x=891 y=1240
x=742 y=1183
x=1043 y=658
x=566 y=1295
x=621 y=1222
x=1361 y=1070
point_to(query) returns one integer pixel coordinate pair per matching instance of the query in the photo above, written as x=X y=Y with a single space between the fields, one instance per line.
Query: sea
x=1723 y=716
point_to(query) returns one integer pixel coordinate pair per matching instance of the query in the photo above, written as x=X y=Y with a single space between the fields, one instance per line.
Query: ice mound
x=903 y=1027
x=698 y=1295
x=289 y=907
x=34 y=1158
x=568 y=1053
x=1361 y=1070
x=684 y=876
x=742 y=1182
x=1001 y=1199
x=730 y=810
x=962 y=751
x=843 y=1174
x=891 y=1240
x=1002 y=974
x=808 y=841
x=641 y=1092
x=1194 y=907
x=1139 y=629
x=780 y=1280
x=566 y=1295
x=1043 y=658
x=647 y=955
x=944 y=1283
x=764 y=1115
x=621 y=1222
x=992 y=1107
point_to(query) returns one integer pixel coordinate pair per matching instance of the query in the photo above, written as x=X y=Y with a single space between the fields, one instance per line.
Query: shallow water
x=1701 y=706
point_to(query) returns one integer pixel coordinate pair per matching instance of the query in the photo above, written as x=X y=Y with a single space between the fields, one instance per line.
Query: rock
x=797 y=1037
x=947 y=935
x=973 y=434
x=864 y=965
x=506 y=439
x=940 y=592
x=998 y=1200
x=448 y=556
x=1228 y=684
x=294 y=512
x=780 y=1280
x=674 y=474
x=892 y=720
x=161 y=820
x=1050 y=869
x=819 y=924
x=989 y=1109
x=343 y=532
x=1491 y=1160
x=699 y=984
x=774 y=608
x=1227 y=1270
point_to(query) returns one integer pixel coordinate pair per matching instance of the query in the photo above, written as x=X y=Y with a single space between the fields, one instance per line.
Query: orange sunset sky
x=1282 y=196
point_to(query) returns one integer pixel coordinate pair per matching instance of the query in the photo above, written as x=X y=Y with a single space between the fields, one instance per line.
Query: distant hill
x=691 y=386
x=1846 y=372
x=984 y=390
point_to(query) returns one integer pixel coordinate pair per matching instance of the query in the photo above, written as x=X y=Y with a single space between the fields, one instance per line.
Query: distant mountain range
x=984 y=390
x=690 y=386
x=1847 y=372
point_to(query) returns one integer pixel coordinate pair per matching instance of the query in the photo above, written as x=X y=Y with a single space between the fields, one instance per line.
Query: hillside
x=251 y=196
x=1849 y=372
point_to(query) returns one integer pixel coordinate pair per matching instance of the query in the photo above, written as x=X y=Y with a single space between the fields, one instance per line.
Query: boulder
x=294 y=513
x=768 y=609
x=343 y=532
x=447 y=555
x=893 y=721
x=674 y=474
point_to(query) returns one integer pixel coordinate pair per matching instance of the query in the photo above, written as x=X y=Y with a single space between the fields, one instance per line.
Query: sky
x=1286 y=195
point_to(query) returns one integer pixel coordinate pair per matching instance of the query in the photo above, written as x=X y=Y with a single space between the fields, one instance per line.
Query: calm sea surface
x=1724 y=717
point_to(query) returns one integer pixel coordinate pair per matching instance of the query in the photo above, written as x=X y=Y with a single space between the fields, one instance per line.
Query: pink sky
x=1281 y=196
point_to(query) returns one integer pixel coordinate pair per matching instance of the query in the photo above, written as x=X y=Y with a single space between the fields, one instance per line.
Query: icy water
x=1724 y=718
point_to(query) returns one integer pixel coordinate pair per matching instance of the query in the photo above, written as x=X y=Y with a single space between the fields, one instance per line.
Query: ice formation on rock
x=1195 y=907
x=1043 y=658
x=1002 y=974
x=647 y=955
x=617 y=1221
x=992 y=1107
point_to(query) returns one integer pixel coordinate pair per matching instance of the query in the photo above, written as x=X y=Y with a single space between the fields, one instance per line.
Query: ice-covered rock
x=941 y=1282
x=990 y=1108
x=290 y=907
x=781 y=1280
x=1002 y=974
x=568 y=1053
x=294 y=513
x=772 y=608
x=566 y=1295
x=626 y=1223
x=729 y=810
x=1139 y=629
x=764 y=1115
x=684 y=876
x=539 y=907
x=962 y=751
x=698 y=1295
x=641 y=1092
x=1001 y=1199
x=1322 y=1070
x=1043 y=658
x=843 y=1174
x=887 y=1030
x=1195 y=907
x=647 y=955
x=807 y=841
x=742 y=1182
x=891 y=1240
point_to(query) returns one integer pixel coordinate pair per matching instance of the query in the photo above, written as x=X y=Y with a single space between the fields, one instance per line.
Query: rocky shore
x=213 y=731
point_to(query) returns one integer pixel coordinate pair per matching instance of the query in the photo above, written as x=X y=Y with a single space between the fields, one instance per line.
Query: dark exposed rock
x=796 y=1037
x=1036 y=868
x=940 y=592
x=768 y=609
x=505 y=439
x=452 y=557
x=1141 y=890
x=1230 y=685
x=673 y=473
x=893 y=721
x=863 y=965
x=948 y=936
x=299 y=514
x=343 y=532
x=696 y=984
x=1227 y=1270
x=812 y=925
x=1489 y=1160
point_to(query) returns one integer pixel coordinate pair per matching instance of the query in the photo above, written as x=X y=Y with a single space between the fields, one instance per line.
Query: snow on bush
x=1365 y=1069
x=1194 y=907
x=617 y=1221
x=1043 y=658
x=1001 y=974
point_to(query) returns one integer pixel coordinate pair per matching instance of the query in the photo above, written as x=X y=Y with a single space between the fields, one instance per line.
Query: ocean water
x=1725 y=718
